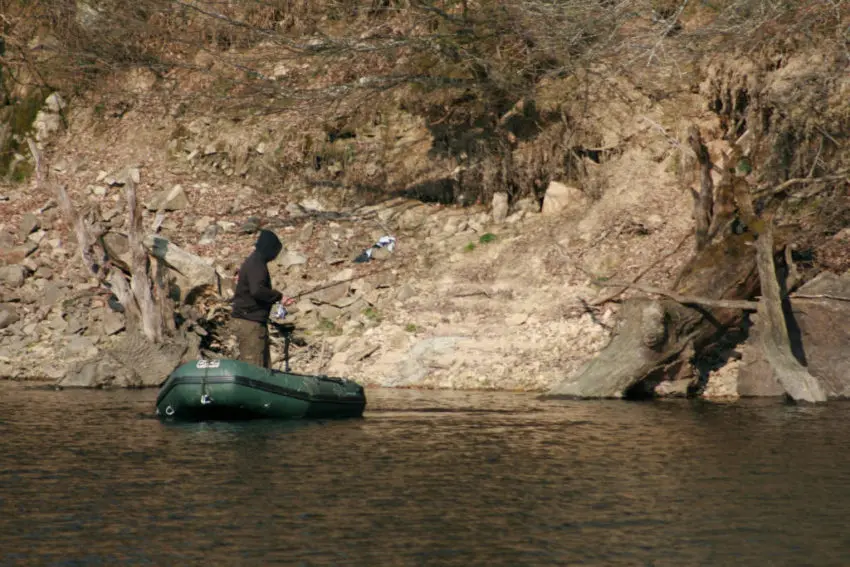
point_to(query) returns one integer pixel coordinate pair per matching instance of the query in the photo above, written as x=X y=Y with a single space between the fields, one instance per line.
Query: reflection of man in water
x=253 y=300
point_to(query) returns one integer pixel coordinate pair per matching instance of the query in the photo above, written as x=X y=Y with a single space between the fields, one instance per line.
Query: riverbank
x=508 y=219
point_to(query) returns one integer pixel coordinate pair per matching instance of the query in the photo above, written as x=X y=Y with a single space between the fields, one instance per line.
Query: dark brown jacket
x=254 y=295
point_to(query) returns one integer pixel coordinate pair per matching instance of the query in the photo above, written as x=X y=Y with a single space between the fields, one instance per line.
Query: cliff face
x=507 y=207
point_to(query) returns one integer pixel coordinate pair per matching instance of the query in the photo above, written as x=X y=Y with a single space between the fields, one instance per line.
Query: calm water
x=425 y=478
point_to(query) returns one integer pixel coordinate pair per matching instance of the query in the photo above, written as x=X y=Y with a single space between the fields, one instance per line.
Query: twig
x=686 y=299
x=472 y=293
x=332 y=284
x=786 y=184
x=819 y=296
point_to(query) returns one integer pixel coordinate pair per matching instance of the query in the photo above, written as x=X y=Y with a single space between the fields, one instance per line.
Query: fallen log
x=657 y=339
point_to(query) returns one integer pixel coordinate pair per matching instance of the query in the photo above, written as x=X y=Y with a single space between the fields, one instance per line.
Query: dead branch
x=685 y=299
x=842 y=175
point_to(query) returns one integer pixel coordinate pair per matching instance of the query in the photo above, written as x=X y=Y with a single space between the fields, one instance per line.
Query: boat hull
x=229 y=389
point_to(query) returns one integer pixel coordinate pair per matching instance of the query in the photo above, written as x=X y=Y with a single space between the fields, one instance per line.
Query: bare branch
x=685 y=299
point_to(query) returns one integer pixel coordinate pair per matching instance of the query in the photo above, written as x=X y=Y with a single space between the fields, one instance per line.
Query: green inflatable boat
x=231 y=389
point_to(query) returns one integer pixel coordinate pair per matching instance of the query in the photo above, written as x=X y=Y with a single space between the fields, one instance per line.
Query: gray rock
x=54 y=102
x=173 y=199
x=295 y=211
x=291 y=258
x=120 y=178
x=515 y=217
x=44 y=272
x=16 y=255
x=113 y=322
x=196 y=271
x=118 y=249
x=13 y=276
x=75 y=325
x=500 y=207
x=250 y=226
x=405 y=292
x=79 y=346
x=8 y=315
x=527 y=205
x=329 y=312
x=110 y=214
x=312 y=205
x=673 y=388
x=306 y=232
x=103 y=372
x=57 y=324
x=45 y=124
x=29 y=224
x=564 y=199
x=37 y=236
x=209 y=235
x=332 y=294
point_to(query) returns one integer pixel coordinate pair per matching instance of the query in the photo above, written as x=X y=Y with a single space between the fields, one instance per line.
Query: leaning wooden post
x=799 y=384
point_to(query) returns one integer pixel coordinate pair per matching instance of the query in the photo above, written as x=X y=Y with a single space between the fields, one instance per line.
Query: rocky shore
x=507 y=238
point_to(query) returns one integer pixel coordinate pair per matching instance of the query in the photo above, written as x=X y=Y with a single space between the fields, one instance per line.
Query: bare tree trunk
x=794 y=377
x=704 y=200
x=77 y=222
x=151 y=317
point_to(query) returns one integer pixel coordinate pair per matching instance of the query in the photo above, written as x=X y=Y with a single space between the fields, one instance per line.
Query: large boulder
x=173 y=199
x=18 y=254
x=195 y=271
x=500 y=207
x=13 y=276
x=563 y=199
x=8 y=316
x=132 y=363
x=29 y=224
x=819 y=338
x=117 y=247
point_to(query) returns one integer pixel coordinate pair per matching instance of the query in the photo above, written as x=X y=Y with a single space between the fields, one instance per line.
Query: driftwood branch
x=799 y=384
x=686 y=299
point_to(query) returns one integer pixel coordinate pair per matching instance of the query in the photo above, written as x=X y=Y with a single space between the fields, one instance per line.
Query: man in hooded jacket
x=253 y=300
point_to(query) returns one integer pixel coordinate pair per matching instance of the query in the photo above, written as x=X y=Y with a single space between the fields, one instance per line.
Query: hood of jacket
x=268 y=245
